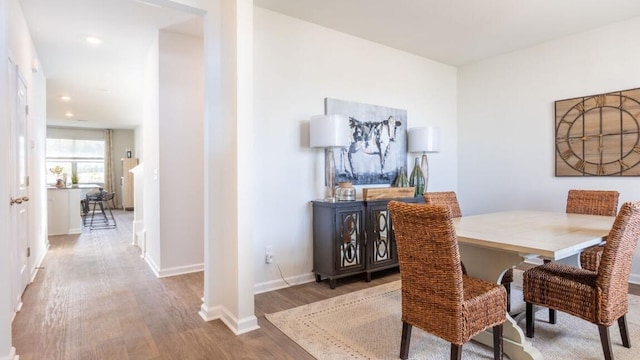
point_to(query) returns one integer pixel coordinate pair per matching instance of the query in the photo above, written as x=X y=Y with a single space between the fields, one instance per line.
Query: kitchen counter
x=63 y=211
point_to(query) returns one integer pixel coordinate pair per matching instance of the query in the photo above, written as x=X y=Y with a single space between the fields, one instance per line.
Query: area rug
x=366 y=325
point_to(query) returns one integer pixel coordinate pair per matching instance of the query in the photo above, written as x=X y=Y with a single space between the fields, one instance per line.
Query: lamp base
x=424 y=166
x=329 y=175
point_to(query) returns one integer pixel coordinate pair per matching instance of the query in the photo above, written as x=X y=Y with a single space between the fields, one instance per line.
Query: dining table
x=492 y=243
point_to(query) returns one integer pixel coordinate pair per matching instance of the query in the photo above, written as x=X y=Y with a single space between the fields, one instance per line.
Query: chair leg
x=622 y=324
x=552 y=316
x=530 y=318
x=497 y=342
x=456 y=352
x=507 y=287
x=406 y=340
x=605 y=339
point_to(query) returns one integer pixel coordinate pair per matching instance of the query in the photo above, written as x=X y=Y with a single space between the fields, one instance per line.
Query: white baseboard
x=634 y=279
x=280 y=284
x=74 y=231
x=138 y=233
x=180 y=270
x=245 y=325
x=152 y=265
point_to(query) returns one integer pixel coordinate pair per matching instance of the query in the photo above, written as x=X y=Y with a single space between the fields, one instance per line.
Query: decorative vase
x=417 y=179
x=60 y=183
x=401 y=179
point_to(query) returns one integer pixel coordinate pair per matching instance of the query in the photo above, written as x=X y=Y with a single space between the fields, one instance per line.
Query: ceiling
x=458 y=32
x=105 y=82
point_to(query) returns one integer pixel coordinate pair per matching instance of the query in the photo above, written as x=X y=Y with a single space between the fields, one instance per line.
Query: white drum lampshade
x=329 y=131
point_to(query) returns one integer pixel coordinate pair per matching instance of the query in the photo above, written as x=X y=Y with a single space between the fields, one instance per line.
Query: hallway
x=95 y=298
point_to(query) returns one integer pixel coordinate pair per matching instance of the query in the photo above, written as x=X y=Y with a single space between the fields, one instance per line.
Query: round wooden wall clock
x=598 y=135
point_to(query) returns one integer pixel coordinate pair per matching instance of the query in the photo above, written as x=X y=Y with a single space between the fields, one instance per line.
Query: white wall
x=181 y=101
x=507 y=125
x=151 y=146
x=297 y=65
x=173 y=147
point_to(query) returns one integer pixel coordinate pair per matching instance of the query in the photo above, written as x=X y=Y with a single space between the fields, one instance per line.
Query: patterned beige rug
x=366 y=325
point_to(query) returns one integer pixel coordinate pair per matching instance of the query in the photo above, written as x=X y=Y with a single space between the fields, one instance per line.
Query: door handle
x=18 y=200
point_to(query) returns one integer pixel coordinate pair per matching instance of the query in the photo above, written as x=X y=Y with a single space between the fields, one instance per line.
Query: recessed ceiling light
x=68 y=114
x=93 y=40
x=65 y=98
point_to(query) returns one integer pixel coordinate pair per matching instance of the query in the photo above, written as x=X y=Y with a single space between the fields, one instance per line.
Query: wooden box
x=387 y=193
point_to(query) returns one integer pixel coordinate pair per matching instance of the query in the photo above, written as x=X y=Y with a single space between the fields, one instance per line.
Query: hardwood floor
x=95 y=298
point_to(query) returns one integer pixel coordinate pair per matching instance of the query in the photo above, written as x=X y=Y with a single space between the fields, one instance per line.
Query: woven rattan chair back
x=446 y=198
x=592 y=202
x=600 y=296
x=615 y=265
x=426 y=241
x=436 y=296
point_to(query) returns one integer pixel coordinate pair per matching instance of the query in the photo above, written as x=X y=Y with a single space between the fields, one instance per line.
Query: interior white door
x=20 y=185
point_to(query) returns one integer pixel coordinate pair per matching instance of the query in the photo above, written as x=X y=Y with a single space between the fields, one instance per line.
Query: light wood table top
x=492 y=243
x=552 y=235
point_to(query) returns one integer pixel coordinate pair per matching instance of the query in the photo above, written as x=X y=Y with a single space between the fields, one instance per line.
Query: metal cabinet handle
x=25 y=198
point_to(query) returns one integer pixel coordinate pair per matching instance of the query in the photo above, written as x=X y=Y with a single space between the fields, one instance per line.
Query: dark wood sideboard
x=353 y=237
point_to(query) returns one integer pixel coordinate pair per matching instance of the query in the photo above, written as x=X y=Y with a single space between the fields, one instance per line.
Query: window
x=85 y=158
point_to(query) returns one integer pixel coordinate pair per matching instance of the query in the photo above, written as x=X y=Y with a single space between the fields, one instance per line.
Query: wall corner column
x=229 y=189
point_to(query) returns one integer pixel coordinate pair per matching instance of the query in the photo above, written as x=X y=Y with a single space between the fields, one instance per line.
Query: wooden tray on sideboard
x=387 y=193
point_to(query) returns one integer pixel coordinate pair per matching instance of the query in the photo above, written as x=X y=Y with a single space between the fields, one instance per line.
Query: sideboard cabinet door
x=338 y=239
x=353 y=237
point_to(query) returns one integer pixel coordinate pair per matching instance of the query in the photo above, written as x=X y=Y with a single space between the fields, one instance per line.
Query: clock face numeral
x=600 y=170
x=623 y=165
x=600 y=100
x=579 y=165
x=623 y=100
x=580 y=107
x=566 y=154
x=636 y=150
x=565 y=121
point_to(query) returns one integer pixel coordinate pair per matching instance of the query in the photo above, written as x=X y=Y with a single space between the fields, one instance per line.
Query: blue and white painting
x=378 y=142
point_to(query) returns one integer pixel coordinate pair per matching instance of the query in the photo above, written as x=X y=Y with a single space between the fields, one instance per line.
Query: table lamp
x=424 y=140
x=329 y=132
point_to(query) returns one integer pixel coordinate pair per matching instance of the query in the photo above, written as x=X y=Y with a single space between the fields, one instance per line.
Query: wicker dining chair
x=436 y=296
x=449 y=199
x=592 y=202
x=599 y=297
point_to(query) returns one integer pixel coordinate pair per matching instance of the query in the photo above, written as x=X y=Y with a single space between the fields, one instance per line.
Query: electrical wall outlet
x=268 y=255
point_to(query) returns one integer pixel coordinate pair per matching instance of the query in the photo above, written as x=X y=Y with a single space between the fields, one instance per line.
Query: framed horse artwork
x=378 y=145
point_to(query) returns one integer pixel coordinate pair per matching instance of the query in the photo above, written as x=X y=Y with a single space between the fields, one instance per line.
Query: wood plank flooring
x=95 y=298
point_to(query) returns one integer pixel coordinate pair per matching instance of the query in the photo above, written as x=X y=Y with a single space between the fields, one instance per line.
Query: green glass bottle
x=417 y=179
